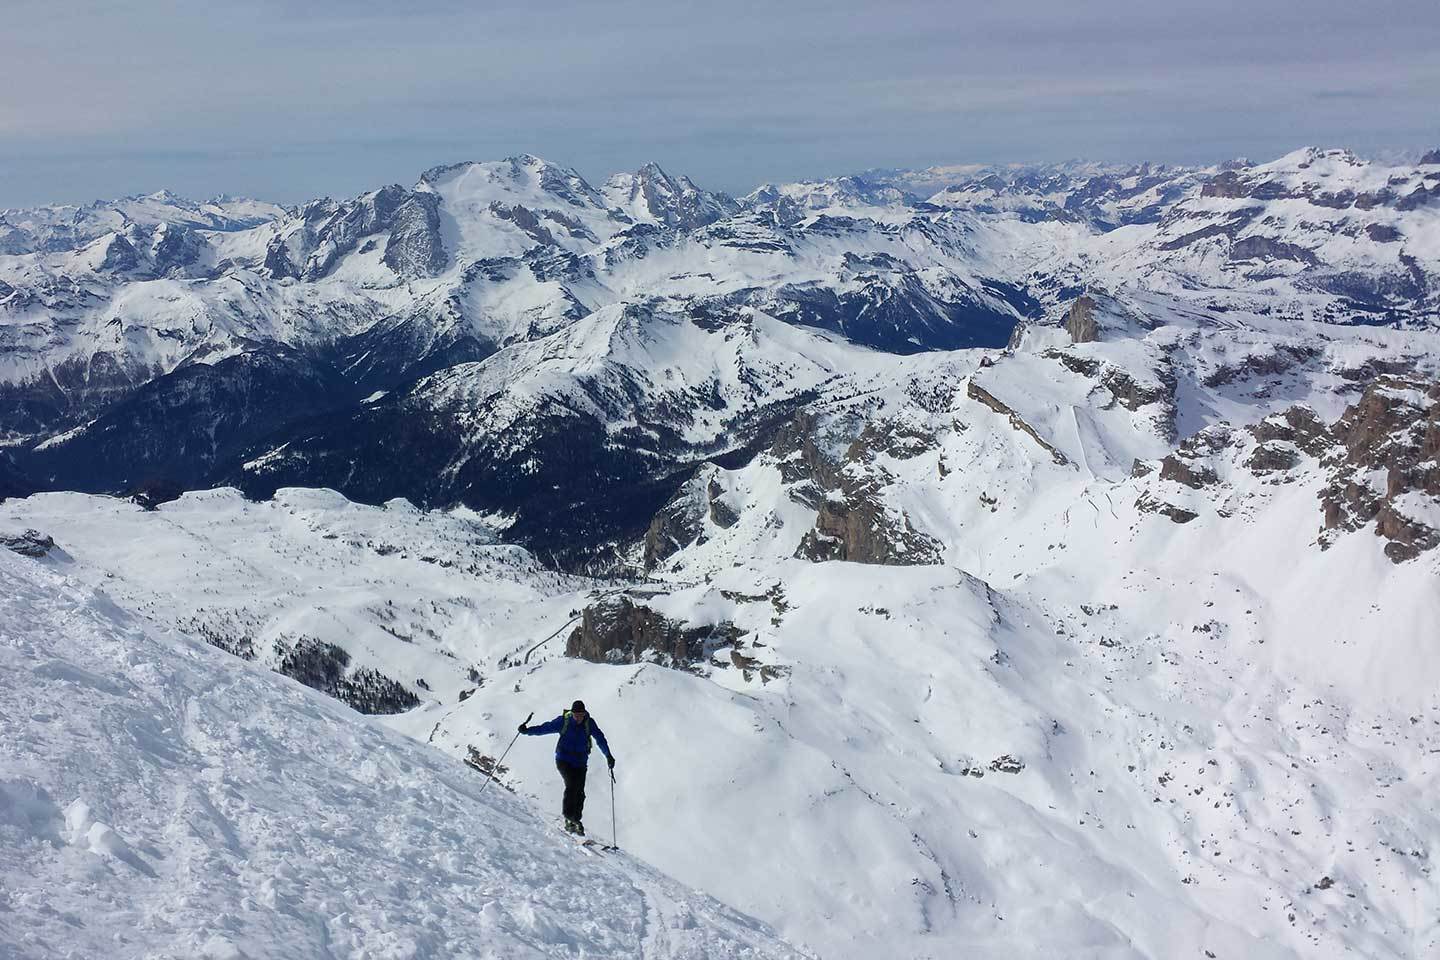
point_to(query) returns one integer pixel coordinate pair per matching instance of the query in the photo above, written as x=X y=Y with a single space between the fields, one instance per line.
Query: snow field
x=160 y=799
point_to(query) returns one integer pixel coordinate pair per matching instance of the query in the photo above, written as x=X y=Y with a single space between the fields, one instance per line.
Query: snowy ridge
x=166 y=802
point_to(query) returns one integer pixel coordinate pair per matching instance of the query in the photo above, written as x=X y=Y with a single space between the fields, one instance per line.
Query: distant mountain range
x=496 y=330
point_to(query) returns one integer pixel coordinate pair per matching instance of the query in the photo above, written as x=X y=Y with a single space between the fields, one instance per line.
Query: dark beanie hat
x=578 y=706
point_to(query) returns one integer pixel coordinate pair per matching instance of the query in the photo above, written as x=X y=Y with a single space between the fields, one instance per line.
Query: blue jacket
x=574 y=744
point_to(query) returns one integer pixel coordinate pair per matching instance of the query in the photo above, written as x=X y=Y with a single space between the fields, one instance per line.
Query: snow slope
x=158 y=799
x=1089 y=731
x=416 y=596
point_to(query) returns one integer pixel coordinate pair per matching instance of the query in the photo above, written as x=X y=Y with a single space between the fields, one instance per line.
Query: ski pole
x=491 y=775
x=614 y=840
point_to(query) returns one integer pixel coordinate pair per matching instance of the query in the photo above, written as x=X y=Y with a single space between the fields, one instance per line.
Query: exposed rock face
x=1264 y=248
x=524 y=218
x=120 y=255
x=1281 y=360
x=1132 y=394
x=673 y=201
x=1419 y=197
x=863 y=530
x=415 y=248
x=327 y=231
x=678 y=524
x=1150 y=504
x=1098 y=315
x=1299 y=426
x=854 y=521
x=174 y=249
x=1190 y=466
x=721 y=513
x=31 y=543
x=802 y=461
x=1381 y=460
x=1228 y=185
x=1130 y=390
x=682 y=521
x=1186 y=472
x=618 y=630
x=895 y=309
x=1394 y=429
x=1273 y=457
x=1080 y=321
x=976 y=392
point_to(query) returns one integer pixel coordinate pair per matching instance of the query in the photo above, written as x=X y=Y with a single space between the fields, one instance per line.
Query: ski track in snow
x=160 y=799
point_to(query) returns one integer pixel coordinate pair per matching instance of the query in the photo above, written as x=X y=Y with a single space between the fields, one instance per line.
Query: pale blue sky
x=289 y=100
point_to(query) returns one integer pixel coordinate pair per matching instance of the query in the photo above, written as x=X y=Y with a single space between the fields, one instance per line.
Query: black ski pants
x=574 y=777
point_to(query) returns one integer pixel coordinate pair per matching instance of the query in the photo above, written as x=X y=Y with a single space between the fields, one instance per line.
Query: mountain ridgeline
x=565 y=358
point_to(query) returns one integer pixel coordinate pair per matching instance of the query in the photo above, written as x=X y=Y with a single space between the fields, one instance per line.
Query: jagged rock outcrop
x=682 y=521
x=1380 y=460
x=1273 y=362
x=864 y=529
x=1080 y=321
x=1190 y=465
x=619 y=630
x=976 y=392
x=1284 y=437
x=1392 y=431
x=1149 y=504
x=1299 y=425
x=650 y=194
x=415 y=248
x=1266 y=248
x=1098 y=315
x=1129 y=388
x=1186 y=472
x=120 y=255
x=31 y=543
x=311 y=246
x=854 y=520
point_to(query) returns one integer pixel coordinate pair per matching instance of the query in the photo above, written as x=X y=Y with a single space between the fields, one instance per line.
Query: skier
x=572 y=752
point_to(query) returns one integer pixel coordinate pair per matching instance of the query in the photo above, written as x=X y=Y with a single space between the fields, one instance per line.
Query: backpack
x=589 y=737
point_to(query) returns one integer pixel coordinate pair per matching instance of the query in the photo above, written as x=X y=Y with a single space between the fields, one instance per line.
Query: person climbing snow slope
x=572 y=754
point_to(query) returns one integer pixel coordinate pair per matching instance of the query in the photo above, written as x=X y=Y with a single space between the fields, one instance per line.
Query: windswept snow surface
x=160 y=799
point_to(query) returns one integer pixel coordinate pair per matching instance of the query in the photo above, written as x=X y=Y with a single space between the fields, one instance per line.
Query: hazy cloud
x=288 y=100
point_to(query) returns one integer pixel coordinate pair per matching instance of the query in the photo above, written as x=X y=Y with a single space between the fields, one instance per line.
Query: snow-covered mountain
x=161 y=800
x=345 y=331
x=1318 y=233
x=1103 y=195
x=59 y=228
x=1117 y=639
x=1032 y=561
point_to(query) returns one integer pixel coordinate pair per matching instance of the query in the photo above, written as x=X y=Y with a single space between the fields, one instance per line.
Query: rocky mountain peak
x=650 y=195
